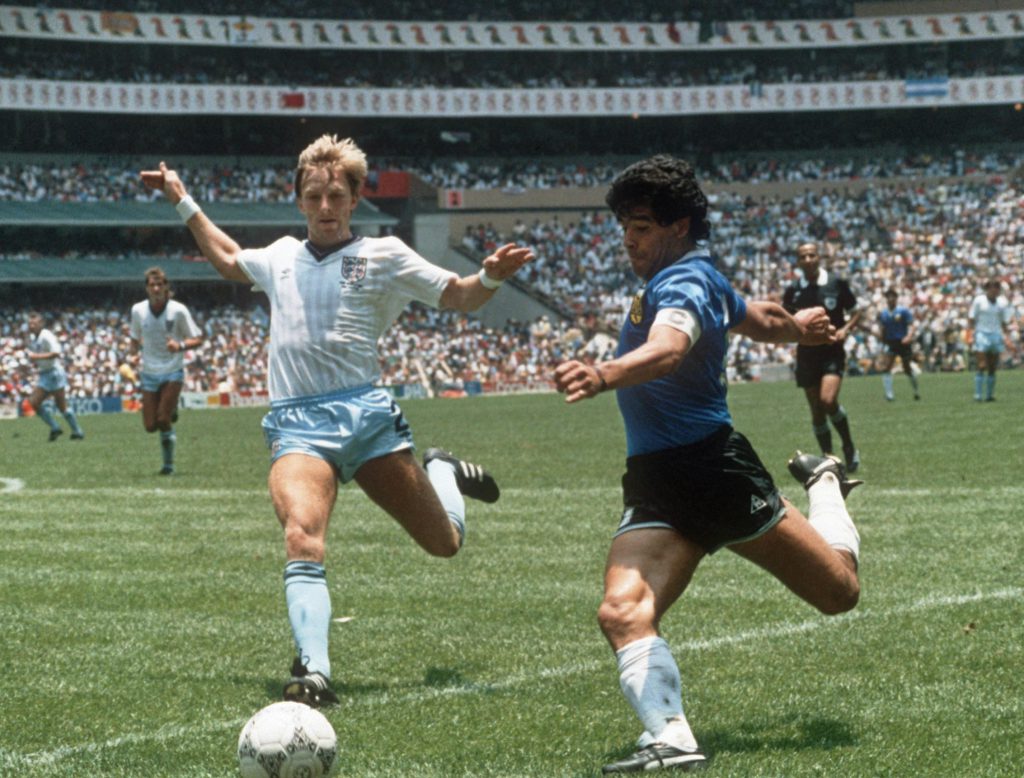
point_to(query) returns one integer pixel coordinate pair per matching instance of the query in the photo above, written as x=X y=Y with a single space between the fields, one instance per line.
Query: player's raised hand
x=166 y=181
x=506 y=260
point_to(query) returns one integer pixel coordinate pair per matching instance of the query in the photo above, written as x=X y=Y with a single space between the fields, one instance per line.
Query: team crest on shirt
x=830 y=303
x=353 y=270
x=636 y=310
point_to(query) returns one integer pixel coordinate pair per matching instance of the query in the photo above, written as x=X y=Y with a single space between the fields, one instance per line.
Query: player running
x=896 y=325
x=820 y=368
x=331 y=297
x=693 y=484
x=44 y=350
x=990 y=316
x=162 y=329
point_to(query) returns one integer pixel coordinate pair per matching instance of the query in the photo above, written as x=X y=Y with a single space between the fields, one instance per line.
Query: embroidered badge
x=636 y=310
x=353 y=270
x=830 y=303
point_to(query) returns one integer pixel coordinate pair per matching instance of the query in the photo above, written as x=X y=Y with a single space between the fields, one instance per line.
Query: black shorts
x=713 y=492
x=816 y=361
x=900 y=349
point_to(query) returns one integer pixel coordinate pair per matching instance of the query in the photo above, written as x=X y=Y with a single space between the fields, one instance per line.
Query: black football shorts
x=714 y=492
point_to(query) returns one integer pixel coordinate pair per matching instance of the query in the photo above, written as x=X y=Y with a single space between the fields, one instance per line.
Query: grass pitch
x=143 y=620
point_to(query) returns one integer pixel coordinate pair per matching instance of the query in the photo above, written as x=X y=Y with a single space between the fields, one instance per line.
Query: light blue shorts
x=989 y=342
x=346 y=428
x=151 y=382
x=52 y=380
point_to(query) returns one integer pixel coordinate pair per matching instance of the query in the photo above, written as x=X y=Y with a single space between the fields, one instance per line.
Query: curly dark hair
x=668 y=186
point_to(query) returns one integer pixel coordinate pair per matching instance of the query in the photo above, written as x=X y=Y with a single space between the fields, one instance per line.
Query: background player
x=331 y=298
x=820 y=369
x=896 y=323
x=162 y=329
x=693 y=484
x=44 y=350
x=990 y=315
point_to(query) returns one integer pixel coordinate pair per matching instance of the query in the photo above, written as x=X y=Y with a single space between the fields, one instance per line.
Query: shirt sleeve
x=847 y=300
x=136 y=328
x=50 y=343
x=257 y=264
x=185 y=325
x=418 y=279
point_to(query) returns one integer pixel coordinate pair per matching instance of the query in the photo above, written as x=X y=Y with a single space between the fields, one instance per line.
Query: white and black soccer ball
x=287 y=740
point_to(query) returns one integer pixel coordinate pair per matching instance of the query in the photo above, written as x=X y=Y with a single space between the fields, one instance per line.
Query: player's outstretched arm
x=769 y=322
x=216 y=245
x=470 y=292
x=664 y=351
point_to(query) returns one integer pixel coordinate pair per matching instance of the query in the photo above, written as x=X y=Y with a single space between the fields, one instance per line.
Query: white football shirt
x=44 y=343
x=990 y=316
x=152 y=332
x=326 y=316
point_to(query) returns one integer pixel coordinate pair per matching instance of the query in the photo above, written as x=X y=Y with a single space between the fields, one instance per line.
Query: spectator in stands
x=162 y=330
x=331 y=298
x=44 y=349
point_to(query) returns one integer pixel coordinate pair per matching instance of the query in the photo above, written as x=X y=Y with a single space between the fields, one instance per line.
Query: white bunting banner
x=40 y=95
x=209 y=30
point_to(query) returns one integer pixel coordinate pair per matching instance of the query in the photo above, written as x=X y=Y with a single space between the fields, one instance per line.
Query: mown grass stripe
x=10 y=760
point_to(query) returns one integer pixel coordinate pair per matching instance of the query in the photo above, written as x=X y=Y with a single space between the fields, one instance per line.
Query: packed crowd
x=508 y=70
x=935 y=245
x=104 y=180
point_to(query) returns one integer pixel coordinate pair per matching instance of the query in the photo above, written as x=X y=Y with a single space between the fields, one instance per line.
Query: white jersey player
x=45 y=350
x=990 y=315
x=331 y=297
x=162 y=330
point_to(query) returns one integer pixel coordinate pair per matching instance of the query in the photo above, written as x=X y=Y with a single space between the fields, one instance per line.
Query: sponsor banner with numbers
x=41 y=95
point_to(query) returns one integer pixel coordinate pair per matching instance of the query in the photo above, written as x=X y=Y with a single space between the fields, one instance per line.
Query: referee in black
x=819 y=369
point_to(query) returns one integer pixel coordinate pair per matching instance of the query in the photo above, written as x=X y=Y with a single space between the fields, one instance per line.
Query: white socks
x=829 y=517
x=650 y=680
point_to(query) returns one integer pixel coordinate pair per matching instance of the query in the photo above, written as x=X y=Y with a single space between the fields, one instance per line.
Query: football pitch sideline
x=143 y=618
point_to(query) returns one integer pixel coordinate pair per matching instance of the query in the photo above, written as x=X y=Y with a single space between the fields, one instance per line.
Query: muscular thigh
x=303 y=490
x=398 y=484
x=797 y=555
x=646 y=572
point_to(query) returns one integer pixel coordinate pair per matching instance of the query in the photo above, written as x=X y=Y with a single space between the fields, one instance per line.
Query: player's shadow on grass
x=788 y=733
x=794 y=732
x=433 y=678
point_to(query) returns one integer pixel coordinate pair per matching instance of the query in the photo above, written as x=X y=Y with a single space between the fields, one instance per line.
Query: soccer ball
x=287 y=740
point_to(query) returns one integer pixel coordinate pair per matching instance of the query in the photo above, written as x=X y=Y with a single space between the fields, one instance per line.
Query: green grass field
x=143 y=621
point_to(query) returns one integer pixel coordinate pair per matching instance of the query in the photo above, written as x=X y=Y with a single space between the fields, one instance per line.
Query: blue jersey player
x=693 y=484
x=896 y=326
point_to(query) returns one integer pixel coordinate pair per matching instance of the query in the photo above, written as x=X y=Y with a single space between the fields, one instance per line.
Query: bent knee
x=301 y=543
x=841 y=598
x=619 y=617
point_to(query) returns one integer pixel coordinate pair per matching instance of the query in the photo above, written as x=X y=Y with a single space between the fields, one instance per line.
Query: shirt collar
x=821 y=280
x=321 y=254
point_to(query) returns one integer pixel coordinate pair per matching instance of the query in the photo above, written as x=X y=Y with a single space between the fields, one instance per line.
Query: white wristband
x=187 y=208
x=488 y=282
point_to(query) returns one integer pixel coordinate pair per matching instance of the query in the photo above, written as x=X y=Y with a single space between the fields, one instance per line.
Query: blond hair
x=330 y=152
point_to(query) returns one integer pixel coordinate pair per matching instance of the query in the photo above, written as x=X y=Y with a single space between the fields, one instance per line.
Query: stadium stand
x=926 y=197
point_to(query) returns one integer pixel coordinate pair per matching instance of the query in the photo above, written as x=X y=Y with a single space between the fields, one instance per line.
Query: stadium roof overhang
x=159 y=214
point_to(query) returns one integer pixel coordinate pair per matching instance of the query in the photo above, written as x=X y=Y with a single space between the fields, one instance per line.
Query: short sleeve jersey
x=689 y=404
x=895 y=322
x=152 y=331
x=44 y=343
x=828 y=291
x=327 y=314
x=988 y=316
